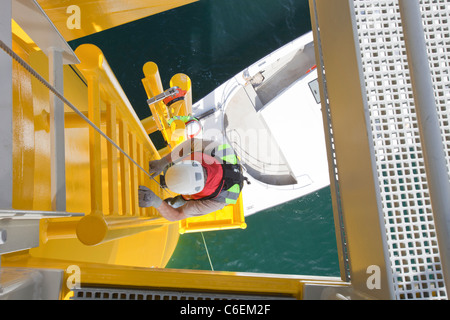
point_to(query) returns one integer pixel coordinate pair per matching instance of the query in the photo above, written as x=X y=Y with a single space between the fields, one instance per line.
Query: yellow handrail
x=185 y=106
x=160 y=112
x=120 y=216
x=230 y=217
x=153 y=86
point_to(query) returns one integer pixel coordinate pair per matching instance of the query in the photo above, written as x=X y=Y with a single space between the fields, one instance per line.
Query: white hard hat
x=186 y=177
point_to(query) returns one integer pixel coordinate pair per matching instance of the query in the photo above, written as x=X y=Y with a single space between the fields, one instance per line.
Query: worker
x=207 y=176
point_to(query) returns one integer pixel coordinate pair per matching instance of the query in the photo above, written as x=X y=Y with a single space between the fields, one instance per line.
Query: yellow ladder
x=115 y=212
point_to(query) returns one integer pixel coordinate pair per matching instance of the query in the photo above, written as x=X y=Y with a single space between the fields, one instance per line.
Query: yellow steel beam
x=111 y=131
x=150 y=124
x=58 y=237
x=23 y=140
x=95 y=229
x=100 y=226
x=134 y=175
x=100 y=275
x=153 y=86
x=183 y=81
x=80 y=18
x=95 y=146
x=124 y=169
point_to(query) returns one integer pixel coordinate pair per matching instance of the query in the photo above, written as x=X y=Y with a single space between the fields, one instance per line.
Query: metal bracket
x=168 y=93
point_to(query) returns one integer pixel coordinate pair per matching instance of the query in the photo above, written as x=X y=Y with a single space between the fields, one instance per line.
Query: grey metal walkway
x=384 y=72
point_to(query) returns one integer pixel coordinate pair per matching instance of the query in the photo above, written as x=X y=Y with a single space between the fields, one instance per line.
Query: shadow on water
x=295 y=238
x=211 y=41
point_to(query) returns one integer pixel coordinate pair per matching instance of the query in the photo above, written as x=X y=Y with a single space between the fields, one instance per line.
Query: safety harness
x=233 y=179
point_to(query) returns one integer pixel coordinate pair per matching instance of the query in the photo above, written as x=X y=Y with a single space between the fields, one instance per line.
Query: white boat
x=270 y=113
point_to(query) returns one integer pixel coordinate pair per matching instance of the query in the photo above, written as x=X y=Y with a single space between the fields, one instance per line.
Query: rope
x=33 y=72
x=207 y=252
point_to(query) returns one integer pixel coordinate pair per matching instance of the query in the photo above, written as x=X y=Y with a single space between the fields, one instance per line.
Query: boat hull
x=270 y=113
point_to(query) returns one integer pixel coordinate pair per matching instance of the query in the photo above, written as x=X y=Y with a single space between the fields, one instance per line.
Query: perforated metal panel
x=89 y=293
x=436 y=21
x=406 y=205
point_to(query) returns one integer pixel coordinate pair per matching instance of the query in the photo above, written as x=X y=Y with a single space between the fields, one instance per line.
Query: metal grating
x=406 y=205
x=91 y=293
x=436 y=21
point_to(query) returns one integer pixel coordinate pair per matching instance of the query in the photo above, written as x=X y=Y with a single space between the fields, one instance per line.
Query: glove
x=155 y=167
x=176 y=202
x=147 y=198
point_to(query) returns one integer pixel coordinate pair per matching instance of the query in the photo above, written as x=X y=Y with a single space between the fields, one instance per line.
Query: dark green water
x=294 y=238
x=211 y=41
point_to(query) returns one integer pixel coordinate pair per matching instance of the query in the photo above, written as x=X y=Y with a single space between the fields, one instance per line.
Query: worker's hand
x=155 y=167
x=147 y=198
x=176 y=202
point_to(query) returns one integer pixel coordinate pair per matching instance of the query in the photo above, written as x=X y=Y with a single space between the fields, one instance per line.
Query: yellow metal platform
x=101 y=180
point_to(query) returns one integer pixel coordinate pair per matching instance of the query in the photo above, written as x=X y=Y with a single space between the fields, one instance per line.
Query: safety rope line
x=207 y=252
x=33 y=72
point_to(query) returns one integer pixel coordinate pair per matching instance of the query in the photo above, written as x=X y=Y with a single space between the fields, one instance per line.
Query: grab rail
x=161 y=114
x=100 y=226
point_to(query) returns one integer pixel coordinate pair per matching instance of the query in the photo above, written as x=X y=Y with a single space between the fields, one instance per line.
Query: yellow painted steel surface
x=160 y=112
x=230 y=217
x=184 y=107
x=110 y=276
x=96 y=16
x=116 y=243
x=153 y=86
x=100 y=182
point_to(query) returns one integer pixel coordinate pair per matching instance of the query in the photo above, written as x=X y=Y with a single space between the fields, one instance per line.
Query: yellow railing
x=230 y=217
x=160 y=112
x=114 y=210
